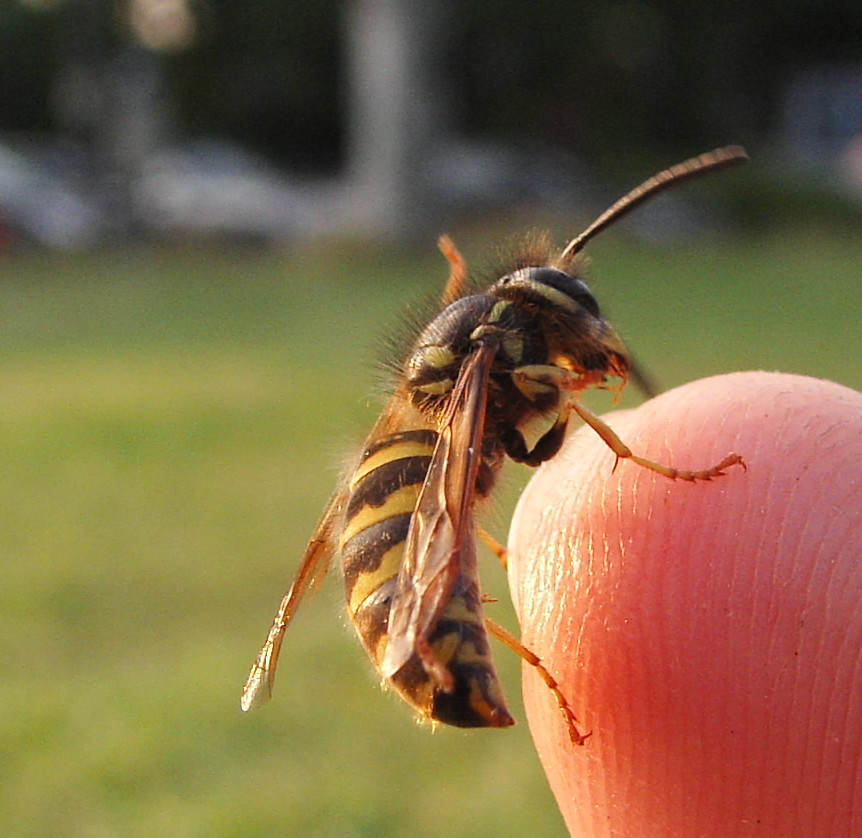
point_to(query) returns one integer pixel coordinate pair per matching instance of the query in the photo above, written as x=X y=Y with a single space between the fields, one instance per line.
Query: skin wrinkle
x=655 y=637
x=826 y=751
x=707 y=599
x=829 y=681
x=817 y=747
x=583 y=545
x=802 y=749
x=675 y=585
x=838 y=596
x=530 y=611
x=785 y=563
x=544 y=624
x=849 y=650
x=552 y=623
x=568 y=660
x=847 y=758
x=636 y=629
x=693 y=586
x=606 y=540
x=758 y=616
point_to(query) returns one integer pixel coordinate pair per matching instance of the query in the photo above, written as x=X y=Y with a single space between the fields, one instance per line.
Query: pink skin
x=708 y=635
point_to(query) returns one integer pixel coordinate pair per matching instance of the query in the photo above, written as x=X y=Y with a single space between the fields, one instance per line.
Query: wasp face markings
x=494 y=374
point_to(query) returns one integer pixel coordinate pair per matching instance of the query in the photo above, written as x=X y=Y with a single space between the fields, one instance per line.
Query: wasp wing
x=312 y=569
x=440 y=539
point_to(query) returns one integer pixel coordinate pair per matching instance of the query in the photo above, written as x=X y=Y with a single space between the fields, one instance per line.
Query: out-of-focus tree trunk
x=395 y=110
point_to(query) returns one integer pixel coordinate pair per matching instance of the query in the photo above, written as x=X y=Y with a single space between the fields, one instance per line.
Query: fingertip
x=705 y=633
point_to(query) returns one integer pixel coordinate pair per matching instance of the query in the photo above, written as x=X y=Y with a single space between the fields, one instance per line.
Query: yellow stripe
x=367 y=583
x=554 y=295
x=557 y=297
x=513 y=346
x=456 y=609
x=401 y=501
x=468 y=655
x=437 y=357
x=446 y=646
x=437 y=388
x=451 y=645
x=497 y=311
x=399 y=451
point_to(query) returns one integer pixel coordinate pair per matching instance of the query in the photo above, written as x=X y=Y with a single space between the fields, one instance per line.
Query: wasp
x=497 y=373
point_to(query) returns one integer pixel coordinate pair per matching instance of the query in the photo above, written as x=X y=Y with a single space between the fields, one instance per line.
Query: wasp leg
x=495 y=546
x=623 y=452
x=457 y=270
x=535 y=661
x=572 y=382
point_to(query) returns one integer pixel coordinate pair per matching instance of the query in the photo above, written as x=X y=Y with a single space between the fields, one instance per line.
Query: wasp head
x=566 y=311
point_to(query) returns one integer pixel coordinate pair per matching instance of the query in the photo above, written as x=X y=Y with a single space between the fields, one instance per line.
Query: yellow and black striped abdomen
x=384 y=491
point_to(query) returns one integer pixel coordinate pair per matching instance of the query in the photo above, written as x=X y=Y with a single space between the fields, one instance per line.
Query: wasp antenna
x=695 y=167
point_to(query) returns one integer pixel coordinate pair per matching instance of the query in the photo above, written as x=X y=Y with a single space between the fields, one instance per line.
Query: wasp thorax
x=432 y=366
x=431 y=370
x=434 y=362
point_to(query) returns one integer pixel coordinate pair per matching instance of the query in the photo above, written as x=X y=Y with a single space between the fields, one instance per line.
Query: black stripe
x=371 y=619
x=455 y=708
x=425 y=437
x=468 y=633
x=364 y=551
x=378 y=485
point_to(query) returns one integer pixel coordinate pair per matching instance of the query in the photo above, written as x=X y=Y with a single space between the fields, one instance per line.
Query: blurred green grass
x=171 y=424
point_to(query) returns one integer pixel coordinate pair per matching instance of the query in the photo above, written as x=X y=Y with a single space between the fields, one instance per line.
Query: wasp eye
x=586 y=299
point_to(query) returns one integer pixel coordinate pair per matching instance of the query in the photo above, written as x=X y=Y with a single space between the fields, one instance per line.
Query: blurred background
x=212 y=216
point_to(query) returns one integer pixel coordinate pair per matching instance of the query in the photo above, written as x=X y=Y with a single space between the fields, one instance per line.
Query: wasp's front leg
x=565 y=381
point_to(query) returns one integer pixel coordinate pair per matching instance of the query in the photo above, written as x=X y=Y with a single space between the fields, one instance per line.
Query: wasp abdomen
x=460 y=641
x=384 y=491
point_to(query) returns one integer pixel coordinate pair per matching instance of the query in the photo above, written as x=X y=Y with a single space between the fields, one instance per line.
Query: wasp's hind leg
x=520 y=649
x=495 y=546
x=535 y=661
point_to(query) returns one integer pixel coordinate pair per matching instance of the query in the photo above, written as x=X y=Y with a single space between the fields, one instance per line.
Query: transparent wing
x=441 y=530
x=312 y=569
